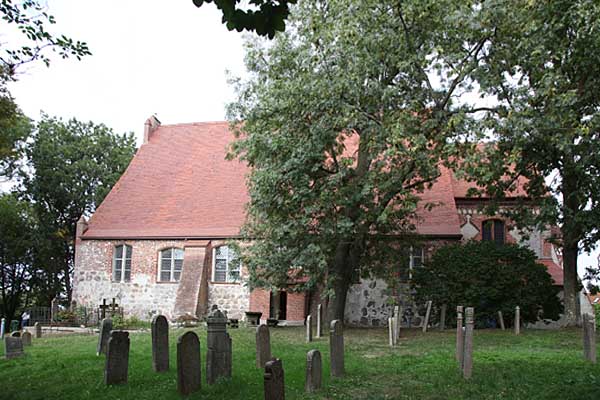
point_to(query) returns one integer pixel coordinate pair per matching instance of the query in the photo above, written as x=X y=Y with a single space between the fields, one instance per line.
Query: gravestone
x=589 y=338
x=391 y=331
x=501 y=320
x=427 y=315
x=38 y=330
x=336 y=348
x=517 y=320
x=459 y=335
x=54 y=309
x=26 y=337
x=443 y=317
x=314 y=369
x=2 y=328
x=319 y=321
x=160 y=343
x=468 y=349
x=274 y=383
x=13 y=347
x=117 y=358
x=189 y=373
x=397 y=321
x=14 y=325
x=309 y=329
x=103 y=307
x=263 y=345
x=105 y=328
x=16 y=334
x=218 y=353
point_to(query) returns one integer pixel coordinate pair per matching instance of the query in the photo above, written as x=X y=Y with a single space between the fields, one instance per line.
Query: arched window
x=226 y=265
x=122 y=263
x=493 y=230
x=171 y=265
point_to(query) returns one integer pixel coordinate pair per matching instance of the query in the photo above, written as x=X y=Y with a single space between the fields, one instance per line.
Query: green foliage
x=128 y=323
x=490 y=278
x=597 y=314
x=265 y=21
x=15 y=128
x=67 y=316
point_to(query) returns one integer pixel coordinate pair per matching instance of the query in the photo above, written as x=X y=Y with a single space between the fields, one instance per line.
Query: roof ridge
x=200 y=123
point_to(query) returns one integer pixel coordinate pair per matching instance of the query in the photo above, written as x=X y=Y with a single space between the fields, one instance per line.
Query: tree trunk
x=570 y=278
x=341 y=272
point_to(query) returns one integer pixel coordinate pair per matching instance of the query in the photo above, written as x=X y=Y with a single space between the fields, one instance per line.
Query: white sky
x=148 y=57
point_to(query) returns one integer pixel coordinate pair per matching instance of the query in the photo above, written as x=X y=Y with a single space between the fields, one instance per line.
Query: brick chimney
x=150 y=126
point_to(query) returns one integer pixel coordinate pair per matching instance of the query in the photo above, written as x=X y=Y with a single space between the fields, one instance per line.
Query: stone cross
x=113 y=307
x=54 y=309
x=263 y=345
x=314 y=370
x=319 y=321
x=443 y=317
x=501 y=320
x=309 y=329
x=218 y=353
x=105 y=328
x=459 y=335
x=589 y=338
x=26 y=337
x=2 y=327
x=103 y=307
x=38 y=330
x=189 y=371
x=117 y=358
x=336 y=348
x=517 y=320
x=13 y=347
x=274 y=383
x=160 y=343
x=427 y=314
x=468 y=349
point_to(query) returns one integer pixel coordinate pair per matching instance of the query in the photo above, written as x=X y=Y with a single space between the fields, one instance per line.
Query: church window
x=171 y=264
x=493 y=230
x=226 y=265
x=413 y=258
x=122 y=263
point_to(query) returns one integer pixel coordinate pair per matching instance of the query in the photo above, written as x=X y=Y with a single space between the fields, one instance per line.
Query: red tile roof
x=554 y=270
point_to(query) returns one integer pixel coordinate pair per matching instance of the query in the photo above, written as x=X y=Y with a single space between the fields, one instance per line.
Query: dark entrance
x=278 y=305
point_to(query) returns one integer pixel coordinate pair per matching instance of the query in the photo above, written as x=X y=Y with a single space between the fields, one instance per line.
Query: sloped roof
x=179 y=185
x=555 y=270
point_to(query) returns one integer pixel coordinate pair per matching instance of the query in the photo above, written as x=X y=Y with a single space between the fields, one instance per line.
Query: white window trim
x=227 y=275
x=172 y=269
x=123 y=259
x=411 y=260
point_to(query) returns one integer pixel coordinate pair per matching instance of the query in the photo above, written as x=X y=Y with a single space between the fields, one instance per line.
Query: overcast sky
x=149 y=57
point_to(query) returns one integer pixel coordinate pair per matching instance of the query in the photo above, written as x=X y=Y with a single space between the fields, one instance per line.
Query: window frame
x=493 y=223
x=172 y=265
x=228 y=279
x=411 y=259
x=123 y=259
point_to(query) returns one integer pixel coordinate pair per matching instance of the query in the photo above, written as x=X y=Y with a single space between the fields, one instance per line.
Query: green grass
x=535 y=365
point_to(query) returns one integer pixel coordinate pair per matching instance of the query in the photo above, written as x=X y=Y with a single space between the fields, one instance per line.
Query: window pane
x=220 y=270
x=117 y=268
x=119 y=252
x=178 y=265
x=486 y=233
x=234 y=275
x=178 y=253
x=128 y=251
x=166 y=253
x=221 y=252
x=176 y=276
x=127 y=270
x=165 y=270
x=417 y=257
x=165 y=276
x=499 y=232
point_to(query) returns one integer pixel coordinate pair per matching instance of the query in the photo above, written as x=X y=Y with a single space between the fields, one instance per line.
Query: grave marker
x=13 y=347
x=397 y=322
x=38 y=330
x=314 y=370
x=117 y=358
x=319 y=321
x=160 y=343
x=26 y=338
x=189 y=372
x=105 y=328
x=309 y=329
x=427 y=315
x=501 y=320
x=103 y=307
x=589 y=338
x=517 y=320
x=16 y=334
x=443 y=317
x=459 y=335
x=468 y=349
x=54 y=309
x=218 y=353
x=263 y=345
x=336 y=348
x=2 y=328
x=391 y=331
x=273 y=378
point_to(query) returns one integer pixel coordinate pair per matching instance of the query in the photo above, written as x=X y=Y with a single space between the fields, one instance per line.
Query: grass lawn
x=535 y=365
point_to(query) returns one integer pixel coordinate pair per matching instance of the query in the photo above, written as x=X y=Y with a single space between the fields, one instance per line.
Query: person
x=25 y=319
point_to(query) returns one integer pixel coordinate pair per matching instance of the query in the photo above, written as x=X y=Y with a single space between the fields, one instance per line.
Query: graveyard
x=533 y=365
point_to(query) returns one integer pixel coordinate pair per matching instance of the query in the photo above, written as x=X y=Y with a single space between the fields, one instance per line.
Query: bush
x=128 y=323
x=490 y=278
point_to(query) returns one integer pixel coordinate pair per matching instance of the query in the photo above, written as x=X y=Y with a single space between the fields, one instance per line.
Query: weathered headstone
x=16 y=334
x=54 y=309
x=274 y=383
x=13 y=347
x=468 y=349
x=2 y=328
x=314 y=369
x=589 y=338
x=501 y=320
x=117 y=358
x=218 y=353
x=14 y=325
x=459 y=335
x=105 y=328
x=391 y=332
x=263 y=345
x=26 y=337
x=336 y=348
x=319 y=321
x=397 y=322
x=309 y=329
x=160 y=343
x=189 y=373
x=38 y=330
x=443 y=317
x=427 y=315
x=517 y=320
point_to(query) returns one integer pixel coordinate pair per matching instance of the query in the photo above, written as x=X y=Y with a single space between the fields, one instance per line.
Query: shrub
x=490 y=278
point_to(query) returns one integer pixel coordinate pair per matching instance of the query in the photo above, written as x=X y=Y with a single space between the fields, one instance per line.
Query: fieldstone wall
x=231 y=297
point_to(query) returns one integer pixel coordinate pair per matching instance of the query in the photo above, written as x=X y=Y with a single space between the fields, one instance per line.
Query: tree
x=265 y=21
x=15 y=128
x=491 y=278
x=544 y=68
x=343 y=128
x=73 y=165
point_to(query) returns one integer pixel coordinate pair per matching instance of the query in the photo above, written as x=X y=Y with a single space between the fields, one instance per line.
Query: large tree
x=544 y=68
x=347 y=117
x=72 y=167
